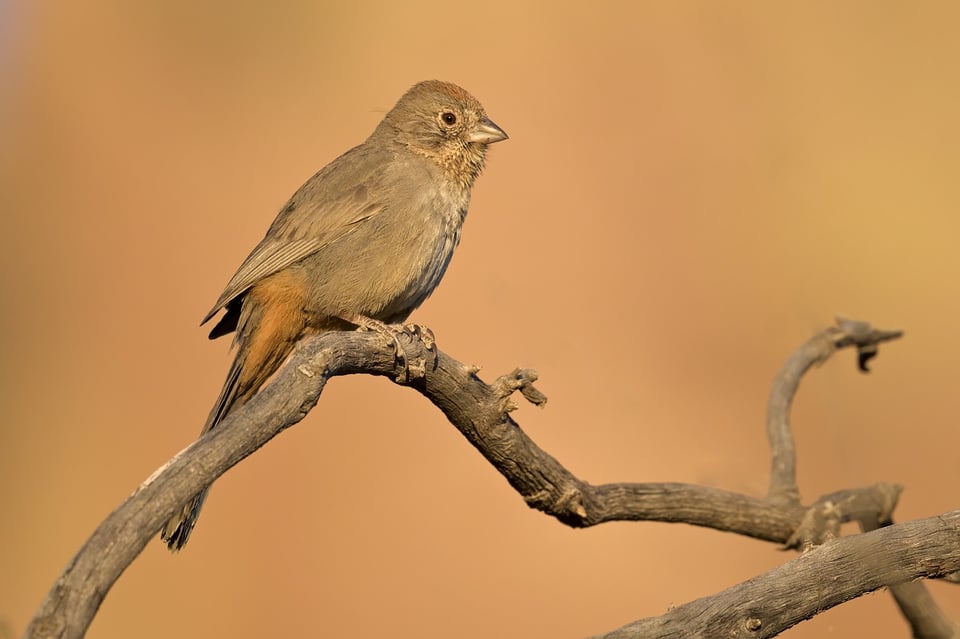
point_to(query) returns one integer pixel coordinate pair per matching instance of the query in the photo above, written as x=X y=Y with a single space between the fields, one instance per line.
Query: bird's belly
x=422 y=276
x=383 y=270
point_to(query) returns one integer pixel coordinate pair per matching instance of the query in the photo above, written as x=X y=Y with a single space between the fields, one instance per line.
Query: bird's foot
x=408 y=369
x=425 y=334
x=428 y=339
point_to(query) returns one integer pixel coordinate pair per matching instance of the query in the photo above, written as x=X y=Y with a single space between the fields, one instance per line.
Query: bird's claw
x=408 y=369
x=424 y=334
x=427 y=338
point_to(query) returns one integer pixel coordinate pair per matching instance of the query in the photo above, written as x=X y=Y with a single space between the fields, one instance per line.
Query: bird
x=360 y=245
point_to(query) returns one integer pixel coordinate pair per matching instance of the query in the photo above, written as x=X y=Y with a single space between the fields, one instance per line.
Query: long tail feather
x=268 y=323
x=176 y=531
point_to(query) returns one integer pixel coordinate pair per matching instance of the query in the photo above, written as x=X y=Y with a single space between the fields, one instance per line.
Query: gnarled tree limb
x=816 y=350
x=480 y=412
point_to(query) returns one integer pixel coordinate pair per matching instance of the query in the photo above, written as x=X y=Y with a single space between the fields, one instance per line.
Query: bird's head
x=443 y=122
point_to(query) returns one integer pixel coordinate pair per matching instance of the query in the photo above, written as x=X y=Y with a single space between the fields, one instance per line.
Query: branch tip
x=519 y=379
x=864 y=336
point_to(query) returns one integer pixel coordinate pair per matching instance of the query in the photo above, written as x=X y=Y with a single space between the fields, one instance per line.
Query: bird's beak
x=486 y=132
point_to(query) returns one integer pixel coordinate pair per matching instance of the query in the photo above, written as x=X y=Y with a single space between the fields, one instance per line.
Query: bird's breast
x=427 y=254
x=390 y=263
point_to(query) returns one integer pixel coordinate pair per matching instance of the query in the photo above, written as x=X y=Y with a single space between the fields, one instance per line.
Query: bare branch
x=481 y=413
x=818 y=349
x=817 y=580
x=823 y=519
x=923 y=614
x=926 y=619
x=73 y=601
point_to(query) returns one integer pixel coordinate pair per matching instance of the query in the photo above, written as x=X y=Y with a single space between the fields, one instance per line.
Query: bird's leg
x=393 y=333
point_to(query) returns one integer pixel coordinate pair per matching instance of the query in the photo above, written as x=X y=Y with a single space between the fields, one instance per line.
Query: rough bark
x=829 y=572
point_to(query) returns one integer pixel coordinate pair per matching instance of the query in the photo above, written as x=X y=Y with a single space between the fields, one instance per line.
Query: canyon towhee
x=361 y=244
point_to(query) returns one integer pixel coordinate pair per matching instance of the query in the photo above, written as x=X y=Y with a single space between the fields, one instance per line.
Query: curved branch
x=73 y=601
x=817 y=580
x=816 y=350
x=478 y=410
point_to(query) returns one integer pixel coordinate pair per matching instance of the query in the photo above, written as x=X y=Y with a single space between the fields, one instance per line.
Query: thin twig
x=816 y=350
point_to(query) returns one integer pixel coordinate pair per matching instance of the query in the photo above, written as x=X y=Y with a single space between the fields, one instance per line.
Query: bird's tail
x=268 y=324
x=176 y=531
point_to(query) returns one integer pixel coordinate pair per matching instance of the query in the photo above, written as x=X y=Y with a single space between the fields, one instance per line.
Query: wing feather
x=329 y=206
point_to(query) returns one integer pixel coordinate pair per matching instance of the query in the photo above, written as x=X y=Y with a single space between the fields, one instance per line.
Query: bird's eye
x=448 y=118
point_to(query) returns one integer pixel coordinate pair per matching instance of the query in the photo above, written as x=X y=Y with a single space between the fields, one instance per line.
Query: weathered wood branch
x=816 y=350
x=916 y=604
x=817 y=580
x=480 y=412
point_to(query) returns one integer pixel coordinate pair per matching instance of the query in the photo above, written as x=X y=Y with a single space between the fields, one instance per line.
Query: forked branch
x=480 y=412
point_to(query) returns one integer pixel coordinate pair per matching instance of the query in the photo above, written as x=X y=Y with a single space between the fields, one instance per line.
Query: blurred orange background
x=690 y=190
